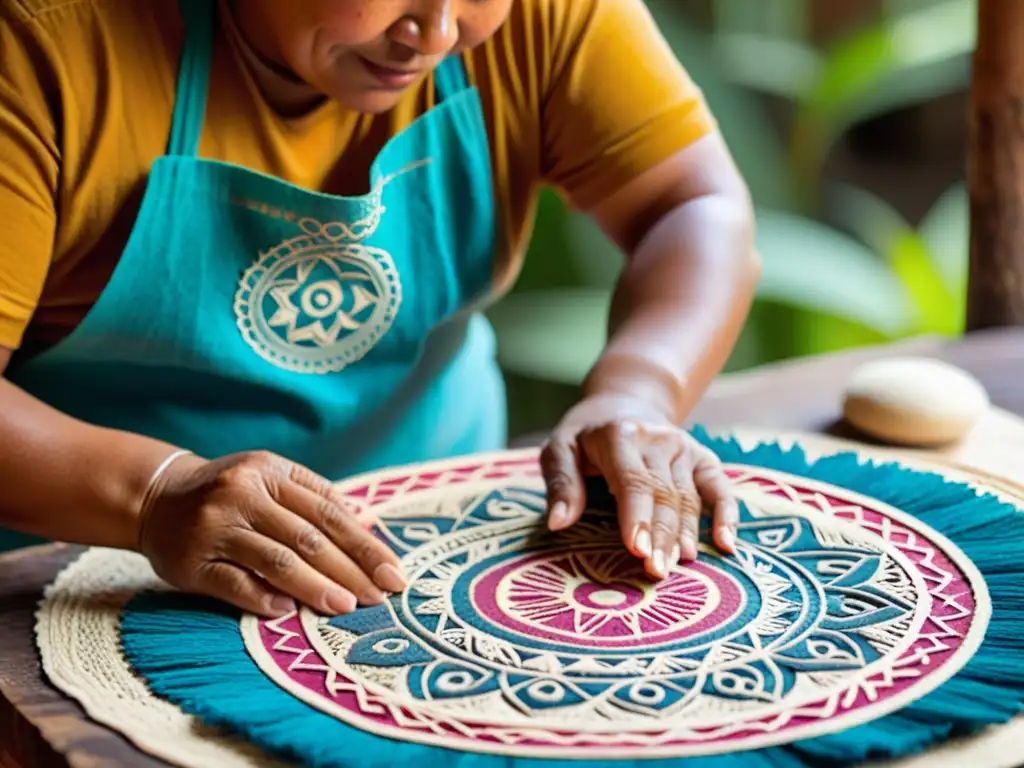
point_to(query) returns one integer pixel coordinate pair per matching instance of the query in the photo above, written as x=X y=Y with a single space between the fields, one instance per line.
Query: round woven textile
x=845 y=612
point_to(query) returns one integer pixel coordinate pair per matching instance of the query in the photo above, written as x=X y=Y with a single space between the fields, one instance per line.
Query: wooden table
x=39 y=727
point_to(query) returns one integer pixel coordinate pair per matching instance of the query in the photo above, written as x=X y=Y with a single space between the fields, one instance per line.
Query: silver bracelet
x=157 y=475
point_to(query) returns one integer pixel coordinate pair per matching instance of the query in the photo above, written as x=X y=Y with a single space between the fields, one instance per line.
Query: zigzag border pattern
x=916 y=663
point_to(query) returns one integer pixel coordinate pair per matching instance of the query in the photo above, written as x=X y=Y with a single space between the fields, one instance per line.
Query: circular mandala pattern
x=598 y=596
x=313 y=305
x=836 y=610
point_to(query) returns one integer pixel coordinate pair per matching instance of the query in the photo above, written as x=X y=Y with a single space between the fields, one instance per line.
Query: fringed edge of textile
x=223 y=687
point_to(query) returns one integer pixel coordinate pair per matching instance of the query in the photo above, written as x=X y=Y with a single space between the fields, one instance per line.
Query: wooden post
x=995 y=168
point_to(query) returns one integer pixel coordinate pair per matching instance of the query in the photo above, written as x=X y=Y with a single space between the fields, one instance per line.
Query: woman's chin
x=361 y=86
x=371 y=101
x=374 y=103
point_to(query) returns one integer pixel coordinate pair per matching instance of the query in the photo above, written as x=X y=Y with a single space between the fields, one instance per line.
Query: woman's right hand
x=263 y=533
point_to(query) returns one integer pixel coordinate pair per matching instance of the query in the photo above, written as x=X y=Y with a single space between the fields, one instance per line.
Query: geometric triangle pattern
x=836 y=610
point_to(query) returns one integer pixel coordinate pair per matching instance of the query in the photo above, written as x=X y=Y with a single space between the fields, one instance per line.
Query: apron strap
x=200 y=18
x=450 y=78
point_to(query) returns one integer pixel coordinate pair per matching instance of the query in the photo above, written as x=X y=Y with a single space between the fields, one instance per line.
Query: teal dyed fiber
x=191 y=652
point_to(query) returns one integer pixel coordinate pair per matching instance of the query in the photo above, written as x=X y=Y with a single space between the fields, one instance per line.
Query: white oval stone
x=914 y=401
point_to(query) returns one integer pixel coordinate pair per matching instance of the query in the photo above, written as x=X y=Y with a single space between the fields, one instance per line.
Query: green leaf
x=888 y=234
x=557 y=336
x=812 y=266
x=782 y=18
x=910 y=86
x=821 y=334
x=753 y=139
x=901 y=60
x=912 y=263
x=771 y=65
x=552 y=335
x=596 y=260
x=548 y=262
x=896 y=47
x=946 y=231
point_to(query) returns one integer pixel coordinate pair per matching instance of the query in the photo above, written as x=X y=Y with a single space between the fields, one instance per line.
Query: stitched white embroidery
x=320 y=301
x=836 y=610
x=79 y=641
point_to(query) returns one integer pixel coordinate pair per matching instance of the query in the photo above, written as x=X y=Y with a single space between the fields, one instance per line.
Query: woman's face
x=365 y=53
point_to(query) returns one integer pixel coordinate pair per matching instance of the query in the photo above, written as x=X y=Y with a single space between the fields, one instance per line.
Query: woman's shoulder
x=66 y=15
x=66 y=29
x=88 y=52
x=30 y=10
x=543 y=38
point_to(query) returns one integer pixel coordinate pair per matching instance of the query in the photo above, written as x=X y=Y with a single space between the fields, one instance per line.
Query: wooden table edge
x=40 y=726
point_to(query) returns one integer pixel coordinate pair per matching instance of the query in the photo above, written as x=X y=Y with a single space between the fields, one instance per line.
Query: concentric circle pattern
x=835 y=611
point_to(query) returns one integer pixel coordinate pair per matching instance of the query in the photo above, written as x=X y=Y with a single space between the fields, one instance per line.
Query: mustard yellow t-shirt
x=581 y=95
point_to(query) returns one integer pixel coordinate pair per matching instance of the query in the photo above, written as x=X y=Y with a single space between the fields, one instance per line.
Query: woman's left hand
x=659 y=475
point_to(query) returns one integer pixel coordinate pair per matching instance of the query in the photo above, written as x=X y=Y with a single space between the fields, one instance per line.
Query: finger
x=713 y=485
x=321 y=486
x=665 y=529
x=615 y=451
x=295 y=531
x=688 y=506
x=372 y=556
x=566 y=494
x=284 y=570
x=363 y=514
x=240 y=588
x=285 y=472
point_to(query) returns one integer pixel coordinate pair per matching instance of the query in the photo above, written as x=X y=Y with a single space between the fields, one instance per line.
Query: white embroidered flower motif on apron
x=318 y=302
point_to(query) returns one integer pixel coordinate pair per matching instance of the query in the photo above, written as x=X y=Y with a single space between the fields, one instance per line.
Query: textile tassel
x=191 y=651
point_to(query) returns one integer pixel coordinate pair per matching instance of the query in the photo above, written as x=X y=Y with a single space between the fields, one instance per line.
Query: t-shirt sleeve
x=28 y=175
x=617 y=102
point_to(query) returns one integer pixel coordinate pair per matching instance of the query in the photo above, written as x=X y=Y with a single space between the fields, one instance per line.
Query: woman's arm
x=252 y=529
x=680 y=303
x=687 y=229
x=66 y=480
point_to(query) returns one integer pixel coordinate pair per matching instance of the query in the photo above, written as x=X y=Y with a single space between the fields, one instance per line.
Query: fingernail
x=726 y=538
x=673 y=559
x=281 y=605
x=689 y=551
x=341 y=600
x=371 y=597
x=389 y=578
x=658 y=562
x=559 y=516
x=642 y=541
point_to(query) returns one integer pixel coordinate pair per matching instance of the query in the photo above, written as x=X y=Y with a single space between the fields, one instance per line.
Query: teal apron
x=247 y=313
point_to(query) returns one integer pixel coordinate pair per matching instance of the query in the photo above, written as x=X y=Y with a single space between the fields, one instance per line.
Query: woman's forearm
x=680 y=305
x=68 y=481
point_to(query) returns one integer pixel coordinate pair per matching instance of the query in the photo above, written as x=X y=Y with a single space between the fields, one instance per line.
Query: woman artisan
x=246 y=246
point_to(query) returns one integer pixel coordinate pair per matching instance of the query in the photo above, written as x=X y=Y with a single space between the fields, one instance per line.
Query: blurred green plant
x=841 y=266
